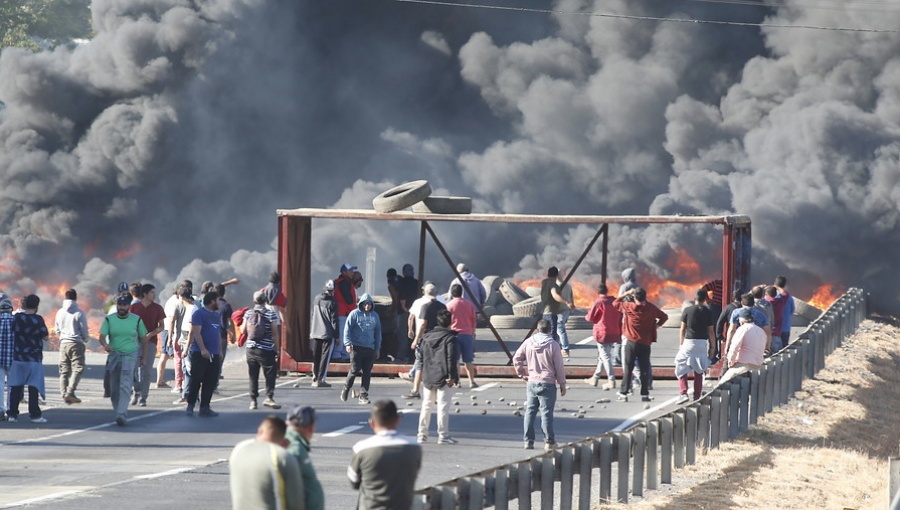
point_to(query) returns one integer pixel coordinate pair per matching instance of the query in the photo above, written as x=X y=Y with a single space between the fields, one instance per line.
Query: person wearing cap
x=27 y=368
x=275 y=299
x=262 y=474
x=7 y=348
x=262 y=327
x=475 y=293
x=323 y=330
x=746 y=348
x=72 y=328
x=748 y=302
x=301 y=425
x=345 y=295
x=127 y=335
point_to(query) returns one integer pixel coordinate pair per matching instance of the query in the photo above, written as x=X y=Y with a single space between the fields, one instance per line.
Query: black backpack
x=256 y=325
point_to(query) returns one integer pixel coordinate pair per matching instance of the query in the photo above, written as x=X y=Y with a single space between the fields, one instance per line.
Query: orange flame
x=129 y=252
x=825 y=295
x=583 y=295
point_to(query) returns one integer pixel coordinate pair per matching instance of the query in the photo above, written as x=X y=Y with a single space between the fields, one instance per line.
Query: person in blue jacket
x=362 y=340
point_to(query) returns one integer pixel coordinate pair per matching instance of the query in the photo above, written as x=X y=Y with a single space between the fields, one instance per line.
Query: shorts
x=466 y=347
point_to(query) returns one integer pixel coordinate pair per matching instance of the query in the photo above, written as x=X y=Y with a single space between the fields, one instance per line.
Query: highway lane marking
x=585 y=341
x=137 y=418
x=485 y=386
x=39 y=499
x=353 y=428
x=630 y=422
x=166 y=473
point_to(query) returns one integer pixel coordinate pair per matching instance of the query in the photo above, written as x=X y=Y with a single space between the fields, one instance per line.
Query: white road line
x=345 y=430
x=31 y=501
x=586 y=341
x=164 y=473
x=630 y=422
x=485 y=386
x=136 y=418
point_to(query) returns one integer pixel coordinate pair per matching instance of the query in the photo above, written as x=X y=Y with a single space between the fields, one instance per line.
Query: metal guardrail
x=643 y=456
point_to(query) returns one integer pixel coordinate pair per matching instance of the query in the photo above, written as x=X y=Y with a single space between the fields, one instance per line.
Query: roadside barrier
x=644 y=455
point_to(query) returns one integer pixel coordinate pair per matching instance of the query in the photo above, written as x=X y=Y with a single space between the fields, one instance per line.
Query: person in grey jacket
x=72 y=328
x=323 y=330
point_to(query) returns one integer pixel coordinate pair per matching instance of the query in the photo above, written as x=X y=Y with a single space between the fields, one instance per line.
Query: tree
x=24 y=22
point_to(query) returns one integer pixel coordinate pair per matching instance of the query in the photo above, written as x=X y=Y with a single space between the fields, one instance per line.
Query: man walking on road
x=551 y=300
x=565 y=310
x=262 y=474
x=384 y=467
x=422 y=318
x=323 y=330
x=696 y=339
x=7 y=348
x=539 y=361
x=464 y=320
x=72 y=328
x=263 y=331
x=362 y=341
x=27 y=368
x=642 y=319
x=440 y=373
x=203 y=348
x=154 y=317
x=127 y=335
x=607 y=332
x=301 y=424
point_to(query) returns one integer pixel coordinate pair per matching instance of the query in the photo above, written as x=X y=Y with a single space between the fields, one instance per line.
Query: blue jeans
x=543 y=396
x=554 y=322
x=561 y=329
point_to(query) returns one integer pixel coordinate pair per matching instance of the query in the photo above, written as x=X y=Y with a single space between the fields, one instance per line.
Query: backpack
x=238 y=318
x=256 y=325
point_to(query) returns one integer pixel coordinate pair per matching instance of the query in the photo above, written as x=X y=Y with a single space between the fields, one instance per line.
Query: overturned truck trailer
x=295 y=232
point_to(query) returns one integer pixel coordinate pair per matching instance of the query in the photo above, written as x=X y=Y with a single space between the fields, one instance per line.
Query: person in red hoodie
x=642 y=319
x=607 y=333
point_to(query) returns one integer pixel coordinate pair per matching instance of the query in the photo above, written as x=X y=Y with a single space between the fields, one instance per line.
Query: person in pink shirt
x=464 y=324
x=539 y=361
x=747 y=347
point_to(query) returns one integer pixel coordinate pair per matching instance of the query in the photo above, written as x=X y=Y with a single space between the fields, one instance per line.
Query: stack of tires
x=522 y=308
x=417 y=194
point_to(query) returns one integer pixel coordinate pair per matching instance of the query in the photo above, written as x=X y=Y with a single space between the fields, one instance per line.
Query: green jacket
x=299 y=448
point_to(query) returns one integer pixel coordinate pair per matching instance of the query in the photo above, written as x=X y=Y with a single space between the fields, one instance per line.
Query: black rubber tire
x=502 y=308
x=444 y=205
x=512 y=322
x=402 y=196
x=577 y=321
x=512 y=293
x=491 y=284
x=530 y=307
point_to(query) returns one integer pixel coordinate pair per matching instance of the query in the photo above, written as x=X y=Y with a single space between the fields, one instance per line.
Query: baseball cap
x=428 y=288
x=461 y=267
x=301 y=416
x=6 y=303
x=747 y=316
x=123 y=287
x=123 y=300
x=260 y=294
x=348 y=267
x=329 y=285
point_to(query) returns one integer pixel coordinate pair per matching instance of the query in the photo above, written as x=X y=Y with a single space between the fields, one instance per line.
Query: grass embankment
x=826 y=449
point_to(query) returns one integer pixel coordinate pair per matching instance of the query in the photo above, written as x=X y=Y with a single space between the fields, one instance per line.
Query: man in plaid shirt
x=7 y=348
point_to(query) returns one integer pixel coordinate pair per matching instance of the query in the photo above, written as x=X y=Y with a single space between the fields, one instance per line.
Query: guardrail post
x=418 y=502
x=623 y=440
x=787 y=376
x=769 y=369
x=777 y=370
x=524 y=484
x=547 y=482
x=566 y=478
x=715 y=416
x=652 y=455
x=678 y=438
x=725 y=409
x=690 y=450
x=744 y=400
x=821 y=337
x=755 y=393
x=585 y=469
x=734 y=408
x=893 y=477
x=462 y=492
x=605 y=468
x=703 y=423
x=665 y=472
x=638 y=456
x=501 y=490
x=448 y=498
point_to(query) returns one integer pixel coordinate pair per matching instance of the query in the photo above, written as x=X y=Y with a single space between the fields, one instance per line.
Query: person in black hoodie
x=440 y=361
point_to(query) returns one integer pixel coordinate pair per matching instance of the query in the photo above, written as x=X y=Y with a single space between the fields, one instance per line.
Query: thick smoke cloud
x=160 y=150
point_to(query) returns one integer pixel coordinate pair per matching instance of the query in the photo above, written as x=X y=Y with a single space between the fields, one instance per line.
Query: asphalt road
x=81 y=460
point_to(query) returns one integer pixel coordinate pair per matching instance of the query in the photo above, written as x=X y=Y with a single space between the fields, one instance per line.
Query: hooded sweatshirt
x=541 y=359
x=71 y=323
x=607 y=320
x=474 y=285
x=363 y=328
x=628 y=281
x=439 y=357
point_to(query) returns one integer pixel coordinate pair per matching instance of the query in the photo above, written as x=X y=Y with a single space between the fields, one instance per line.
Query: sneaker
x=253 y=405
x=135 y=398
x=323 y=384
x=189 y=411
x=646 y=398
x=364 y=399
x=683 y=399
x=405 y=376
x=622 y=397
x=448 y=440
x=142 y=403
x=565 y=354
x=72 y=399
x=344 y=392
x=161 y=385
x=179 y=401
x=270 y=402
x=315 y=384
x=12 y=419
x=120 y=421
x=39 y=419
x=177 y=390
x=421 y=439
x=529 y=446
x=549 y=446
x=413 y=394
x=473 y=385
x=592 y=380
x=611 y=385
x=207 y=413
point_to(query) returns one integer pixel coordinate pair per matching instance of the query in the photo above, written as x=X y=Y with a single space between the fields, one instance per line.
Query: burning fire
x=583 y=295
x=129 y=252
x=825 y=295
